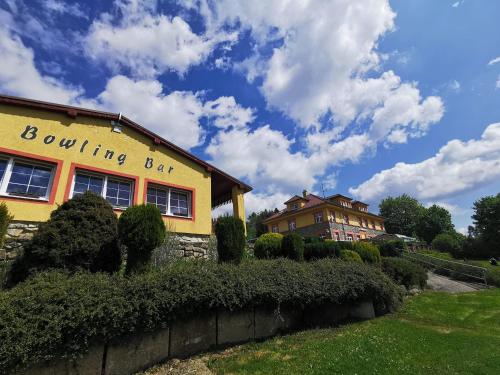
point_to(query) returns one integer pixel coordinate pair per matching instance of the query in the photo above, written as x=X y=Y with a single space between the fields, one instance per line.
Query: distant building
x=335 y=217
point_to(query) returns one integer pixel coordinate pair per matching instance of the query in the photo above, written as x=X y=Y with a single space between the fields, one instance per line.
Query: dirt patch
x=177 y=367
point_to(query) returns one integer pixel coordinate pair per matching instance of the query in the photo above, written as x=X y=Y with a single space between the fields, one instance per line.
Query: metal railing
x=453 y=269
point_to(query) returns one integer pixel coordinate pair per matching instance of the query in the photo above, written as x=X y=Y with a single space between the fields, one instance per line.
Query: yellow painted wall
x=13 y=121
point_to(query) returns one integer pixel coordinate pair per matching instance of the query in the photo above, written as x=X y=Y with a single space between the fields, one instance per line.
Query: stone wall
x=18 y=234
x=176 y=244
x=326 y=228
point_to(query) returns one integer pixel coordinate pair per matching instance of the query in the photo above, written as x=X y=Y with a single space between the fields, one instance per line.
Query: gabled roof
x=339 y=196
x=313 y=200
x=359 y=203
x=295 y=198
x=222 y=182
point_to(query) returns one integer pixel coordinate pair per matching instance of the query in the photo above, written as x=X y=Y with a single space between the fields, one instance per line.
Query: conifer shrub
x=392 y=248
x=368 y=252
x=350 y=256
x=346 y=245
x=60 y=315
x=292 y=247
x=141 y=229
x=268 y=246
x=81 y=234
x=5 y=219
x=404 y=272
x=230 y=233
x=320 y=250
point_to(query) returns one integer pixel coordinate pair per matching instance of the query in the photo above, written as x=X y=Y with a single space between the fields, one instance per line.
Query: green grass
x=435 y=333
x=436 y=254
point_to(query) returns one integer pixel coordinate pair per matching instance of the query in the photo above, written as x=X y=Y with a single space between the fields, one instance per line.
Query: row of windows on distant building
x=29 y=179
x=318 y=218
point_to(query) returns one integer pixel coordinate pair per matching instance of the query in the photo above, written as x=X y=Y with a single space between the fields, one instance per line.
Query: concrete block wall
x=200 y=334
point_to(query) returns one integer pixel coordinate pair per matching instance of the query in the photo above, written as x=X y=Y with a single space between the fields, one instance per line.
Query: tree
x=401 y=214
x=230 y=234
x=449 y=242
x=255 y=225
x=434 y=220
x=486 y=228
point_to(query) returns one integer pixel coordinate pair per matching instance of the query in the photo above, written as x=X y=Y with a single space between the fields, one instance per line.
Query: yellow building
x=50 y=153
x=336 y=217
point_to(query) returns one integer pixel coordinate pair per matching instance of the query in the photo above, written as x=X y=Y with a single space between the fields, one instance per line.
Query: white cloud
x=457 y=167
x=453 y=209
x=19 y=75
x=498 y=83
x=456 y=4
x=494 y=61
x=148 y=43
x=63 y=8
x=175 y=116
x=454 y=85
x=255 y=202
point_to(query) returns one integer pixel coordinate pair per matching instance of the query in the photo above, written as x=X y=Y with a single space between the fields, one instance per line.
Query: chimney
x=304 y=193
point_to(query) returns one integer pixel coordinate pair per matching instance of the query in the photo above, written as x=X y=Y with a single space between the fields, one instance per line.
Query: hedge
x=391 y=248
x=367 y=251
x=56 y=315
x=320 y=250
x=405 y=272
x=292 y=247
x=268 y=246
x=350 y=256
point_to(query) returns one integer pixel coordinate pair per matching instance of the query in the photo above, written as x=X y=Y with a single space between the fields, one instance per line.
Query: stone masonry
x=325 y=229
x=18 y=234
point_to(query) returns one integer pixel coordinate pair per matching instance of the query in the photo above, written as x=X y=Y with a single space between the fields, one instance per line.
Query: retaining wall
x=199 y=334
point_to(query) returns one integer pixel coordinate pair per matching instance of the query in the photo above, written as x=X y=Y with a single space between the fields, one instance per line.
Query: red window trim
x=75 y=166
x=55 y=183
x=174 y=186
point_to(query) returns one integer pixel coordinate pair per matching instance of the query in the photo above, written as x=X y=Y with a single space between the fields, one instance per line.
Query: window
x=360 y=221
x=373 y=225
x=337 y=236
x=349 y=237
x=295 y=206
x=291 y=225
x=366 y=223
x=332 y=216
x=170 y=201
x=346 y=219
x=318 y=217
x=117 y=191
x=275 y=229
x=25 y=178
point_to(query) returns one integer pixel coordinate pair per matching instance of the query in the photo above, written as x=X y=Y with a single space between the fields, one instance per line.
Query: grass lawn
x=434 y=333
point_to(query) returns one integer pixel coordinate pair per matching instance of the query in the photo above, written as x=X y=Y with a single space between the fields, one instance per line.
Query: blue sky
x=365 y=98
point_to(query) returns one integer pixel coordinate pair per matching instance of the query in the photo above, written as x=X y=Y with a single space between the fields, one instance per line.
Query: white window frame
x=104 y=190
x=169 y=190
x=292 y=225
x=350 y=237
x=275 y=229
x=318 y=215
x=11 y=160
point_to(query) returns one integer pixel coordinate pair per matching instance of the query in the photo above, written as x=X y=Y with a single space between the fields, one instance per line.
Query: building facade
x=50 y=153
x=336 y=217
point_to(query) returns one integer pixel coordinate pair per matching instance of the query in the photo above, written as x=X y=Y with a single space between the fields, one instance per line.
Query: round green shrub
x=448 y=243
x=292 y=247
x=141 y=229
x=368 y=252
x=268 y=246
x=81 y=234
x=392 y=248
x=230 y=233
x=404 y=272
x=346 y=245
x=320 y=250
x=350 y=256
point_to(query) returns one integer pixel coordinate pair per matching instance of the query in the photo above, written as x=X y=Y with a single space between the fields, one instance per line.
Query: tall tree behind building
x=401 y=214
x=255 y=225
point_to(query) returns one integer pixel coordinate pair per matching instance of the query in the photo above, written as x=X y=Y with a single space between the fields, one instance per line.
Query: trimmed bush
x=268 y=246
x=230 y=234
x=56 y=315
x=81 y=234
x=320 y=250
x=405 y=272
x=350 y=256
x=346 y=245
x=292 y=247
x=368 y=252
x=141 y=229
x=392 y=248
x=5 y=219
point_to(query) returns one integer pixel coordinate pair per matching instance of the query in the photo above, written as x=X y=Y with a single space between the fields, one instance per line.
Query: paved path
x=444 y=284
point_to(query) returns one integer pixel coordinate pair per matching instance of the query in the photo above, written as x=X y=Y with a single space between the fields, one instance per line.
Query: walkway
x=444 y=284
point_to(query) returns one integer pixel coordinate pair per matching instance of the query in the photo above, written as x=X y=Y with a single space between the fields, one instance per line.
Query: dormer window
x=295 y=206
